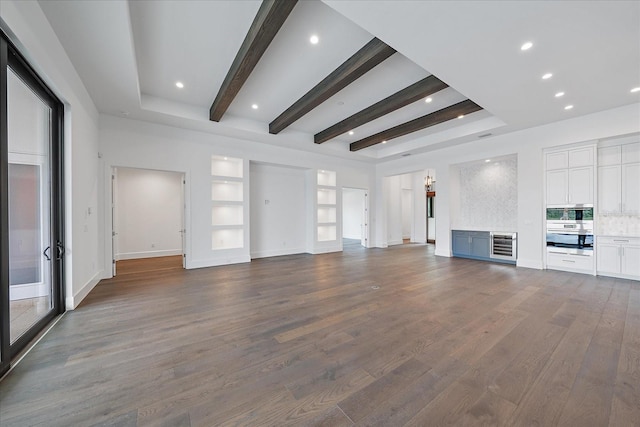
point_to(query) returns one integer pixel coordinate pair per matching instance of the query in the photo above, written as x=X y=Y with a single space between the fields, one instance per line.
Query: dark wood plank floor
x=365 y=337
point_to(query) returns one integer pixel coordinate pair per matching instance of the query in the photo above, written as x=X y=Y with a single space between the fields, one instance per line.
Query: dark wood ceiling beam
x=372 y=54
x=265 y=26
x=440 y=116
x=422 y=89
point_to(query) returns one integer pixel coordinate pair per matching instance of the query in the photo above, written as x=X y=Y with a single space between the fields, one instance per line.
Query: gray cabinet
x=471 y=244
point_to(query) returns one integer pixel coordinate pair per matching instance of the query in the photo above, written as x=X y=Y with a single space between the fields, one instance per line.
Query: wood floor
x=388 y=337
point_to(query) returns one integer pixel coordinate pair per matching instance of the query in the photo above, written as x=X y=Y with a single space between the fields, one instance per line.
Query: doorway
x=431 y=217
x=148 y=217
x=355 y=216
x=31 y=214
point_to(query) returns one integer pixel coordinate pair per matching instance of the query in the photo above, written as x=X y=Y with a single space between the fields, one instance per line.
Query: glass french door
x=31 y=244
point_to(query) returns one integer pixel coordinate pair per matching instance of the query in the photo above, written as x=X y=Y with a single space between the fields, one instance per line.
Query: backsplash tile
x=618 y=225
x=489 y=196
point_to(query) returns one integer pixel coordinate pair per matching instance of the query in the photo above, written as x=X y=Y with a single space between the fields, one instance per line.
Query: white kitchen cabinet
x=618 y=257
x=580 y=188
x=579 y=157
x=631 y=188
x=557 y=160
x=609 y=189
x=631 y=261
x=557 y=185
x=609 y=155
x=570 y=262
x=570 y=176
x=619 y=179
x=630 y=153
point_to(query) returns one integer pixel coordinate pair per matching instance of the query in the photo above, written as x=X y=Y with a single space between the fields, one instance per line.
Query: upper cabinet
x=618 y=179
x=569 y=175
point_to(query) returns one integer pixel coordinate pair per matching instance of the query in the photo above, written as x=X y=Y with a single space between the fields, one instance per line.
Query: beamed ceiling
x=249 y=69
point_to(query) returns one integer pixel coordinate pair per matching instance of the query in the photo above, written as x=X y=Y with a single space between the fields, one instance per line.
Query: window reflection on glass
x=29 y=129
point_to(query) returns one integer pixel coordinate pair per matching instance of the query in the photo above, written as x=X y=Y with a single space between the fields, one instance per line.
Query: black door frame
x=10 y=57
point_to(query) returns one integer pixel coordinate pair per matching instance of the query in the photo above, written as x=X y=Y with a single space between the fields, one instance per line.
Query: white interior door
x=114 y=219
x=364 y=240
x=183 y=230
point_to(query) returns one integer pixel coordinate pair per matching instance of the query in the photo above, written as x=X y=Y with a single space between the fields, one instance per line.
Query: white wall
x=353 y=205
x=527 y=145
x=404 y=209
x=278 y=210
x=136 y=144
x=407 y=212
x=393 y=210
x=31 y=33
x=149 y=213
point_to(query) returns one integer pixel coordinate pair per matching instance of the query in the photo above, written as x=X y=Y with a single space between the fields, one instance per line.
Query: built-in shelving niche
x=326 y=209
x=227 y=203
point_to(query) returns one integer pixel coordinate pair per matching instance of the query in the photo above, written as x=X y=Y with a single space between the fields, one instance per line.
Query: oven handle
x=565 y=231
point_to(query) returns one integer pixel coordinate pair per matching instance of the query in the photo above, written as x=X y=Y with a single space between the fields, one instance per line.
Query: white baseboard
x=277 y=252
x=326 y=250
x=72 y=301
x=441 y=252
x=394 y=242
x=203 y=263
x=352 y=236
x=148 y=254
x=379 y=244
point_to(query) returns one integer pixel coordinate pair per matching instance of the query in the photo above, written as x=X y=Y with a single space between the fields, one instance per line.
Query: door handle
x=46 y=255
x=60 y=250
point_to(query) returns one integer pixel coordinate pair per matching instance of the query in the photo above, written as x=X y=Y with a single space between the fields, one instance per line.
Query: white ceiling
x=129 y=55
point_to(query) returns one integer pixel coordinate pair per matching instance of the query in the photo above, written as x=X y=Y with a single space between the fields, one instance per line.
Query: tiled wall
x=489 y=196
x=618 y=225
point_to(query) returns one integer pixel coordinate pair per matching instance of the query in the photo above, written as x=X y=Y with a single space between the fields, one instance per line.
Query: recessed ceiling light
x=350 y=132
x=635 y=89
x=428 y=100
x=526 y=46
x=568 y=107
x=547 y=76
x=488 y=160
x=314 y=39
x=226 y=158
x=179 y=85
x=384 y=142
x=559 y=94
x=254 y=106
x=461 y=116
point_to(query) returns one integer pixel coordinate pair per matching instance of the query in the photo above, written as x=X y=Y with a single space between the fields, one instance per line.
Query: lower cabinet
x=570 y=262
x=618 y=257
x=471 y=244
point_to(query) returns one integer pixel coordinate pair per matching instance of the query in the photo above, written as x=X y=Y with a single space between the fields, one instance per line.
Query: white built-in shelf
x=326 y=232
x=227 y=215
x=326 y=178
x=326 y=214
x=227 y=238
x=229 y=167
x=224 y=190
x=326 y=196
x=326 y=206
x=227 y=203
